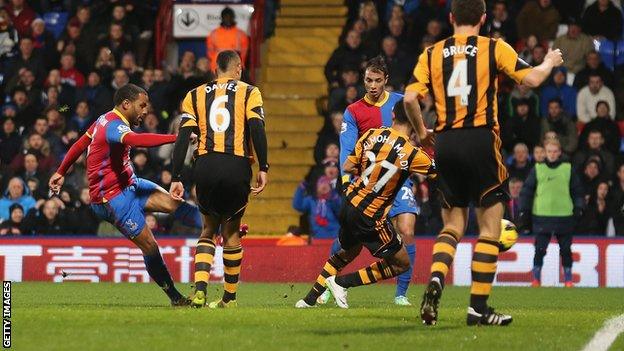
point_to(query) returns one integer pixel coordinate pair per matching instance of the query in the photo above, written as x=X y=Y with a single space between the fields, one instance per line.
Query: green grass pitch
x=81 y=316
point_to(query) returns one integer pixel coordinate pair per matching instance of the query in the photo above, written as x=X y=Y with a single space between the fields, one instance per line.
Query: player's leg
x=159 y=200
x=455 y=219
x=156 y=267
x=326 y=295
x=232 y=259
x=484 y=259
x=204 y=259
x=541 y=245
x=565 y=251
x=332 y=267
x=405 y=223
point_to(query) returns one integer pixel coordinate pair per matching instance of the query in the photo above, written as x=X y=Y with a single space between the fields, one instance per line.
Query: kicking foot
x=430 y=303
x=489 y=317
x=340 y=293
x=181 y=302
x=402 y=301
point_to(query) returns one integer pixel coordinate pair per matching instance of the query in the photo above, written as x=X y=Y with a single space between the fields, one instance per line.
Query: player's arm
x=508 y=61
x=188 y=125
x=423 y=164
x=57 y=179
x=348 y=138
x=351 y=164
x=254 y=113
x=415 y=90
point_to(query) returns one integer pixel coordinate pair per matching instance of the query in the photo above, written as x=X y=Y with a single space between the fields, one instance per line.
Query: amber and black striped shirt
x=386 y=159
x=220 y=110
x=461 y=74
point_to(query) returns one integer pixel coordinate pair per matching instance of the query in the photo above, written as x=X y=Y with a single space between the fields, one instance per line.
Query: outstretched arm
x=58 y=178
x=147 y=139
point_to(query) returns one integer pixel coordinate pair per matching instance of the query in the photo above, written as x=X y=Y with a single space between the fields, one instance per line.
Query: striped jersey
x=461 y=73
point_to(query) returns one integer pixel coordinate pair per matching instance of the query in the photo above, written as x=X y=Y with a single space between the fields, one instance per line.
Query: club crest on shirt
x=123 y=129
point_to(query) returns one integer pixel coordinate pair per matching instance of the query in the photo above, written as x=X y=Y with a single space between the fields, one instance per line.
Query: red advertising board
x=598 y=261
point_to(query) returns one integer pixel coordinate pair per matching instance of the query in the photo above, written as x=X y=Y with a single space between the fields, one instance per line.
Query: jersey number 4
x=219 y=125
x=458 y=83
x=391 y=170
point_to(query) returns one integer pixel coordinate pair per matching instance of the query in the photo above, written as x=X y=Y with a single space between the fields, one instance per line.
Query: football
x=508 y=236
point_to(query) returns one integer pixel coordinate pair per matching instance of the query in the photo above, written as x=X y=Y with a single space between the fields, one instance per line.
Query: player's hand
x=429 y=139
x=177 y=191
x=55 y=183
x=555 y=57
x=261 y=182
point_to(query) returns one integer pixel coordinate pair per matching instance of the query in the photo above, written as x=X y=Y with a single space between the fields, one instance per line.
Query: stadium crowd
x=582 y=105
x=60 y=63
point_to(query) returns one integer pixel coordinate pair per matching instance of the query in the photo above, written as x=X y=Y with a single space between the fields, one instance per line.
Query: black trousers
x=565 y=243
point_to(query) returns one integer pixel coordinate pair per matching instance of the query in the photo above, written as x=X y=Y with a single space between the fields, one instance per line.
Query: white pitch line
x=606 y=335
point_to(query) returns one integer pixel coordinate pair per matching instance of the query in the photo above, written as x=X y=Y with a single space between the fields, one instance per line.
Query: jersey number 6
x=215 y=111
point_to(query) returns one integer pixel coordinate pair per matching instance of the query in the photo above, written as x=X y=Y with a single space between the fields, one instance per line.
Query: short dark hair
x=603 y=102
x=225 y=58
x=467 y=12
x=400 y=115
x=377 y=64
x=557 y=100
x=128 y=92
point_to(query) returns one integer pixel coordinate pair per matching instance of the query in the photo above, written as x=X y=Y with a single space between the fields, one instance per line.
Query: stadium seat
x=55 y=22
x=611 y=52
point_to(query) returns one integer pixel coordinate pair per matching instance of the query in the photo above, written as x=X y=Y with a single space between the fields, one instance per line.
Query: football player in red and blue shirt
x=375 y=111
x=117 y=194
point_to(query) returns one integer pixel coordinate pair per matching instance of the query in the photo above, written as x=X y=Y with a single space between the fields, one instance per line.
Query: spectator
x=43 y=41
x=537 y=55
x=337 y=96
x=539 y=18
x=67 y=93
x=589 y=96
x=520 y=164
x=40 y=147
x=56 y=124
x=616 y=205
x=594 y=149
x=512 y=210
x=116 y=41
x=350 y=54
x=558 y=88
x=527 y=45
x=523 y=92
x=10 y=142
x=291 y=238
x=501 y=22
x=142 y=168
x=596 y=214
x=603 y=20
x=576 y=44
x=105 y=64
x=330 y=134
x=83 y=218
x=607 y=127
x=396 y=29
x=350 y=96
x=8 y=36
x=48 y=219
x=15 y=224
x=16 y=193
x=226 y=37
x=165 y=151
x=539 y=154
x=152 y=223
x=134 y=72
x=26 y=58
x=120 y=17
x=427 y=10
x=86 y=41
x=522 y=127
x=21 y=16
x=559 y=122
x=593 y=65
x=371 y=36
x=25 y=80
x=591 y=177
x=69 y=74
x=81 y=120
x=552 y=207
x=98 y=96
x=71 y=43
x=30 y=171
x=322 y=209
x=120 y=78
x=26 y=110
x=398 y=64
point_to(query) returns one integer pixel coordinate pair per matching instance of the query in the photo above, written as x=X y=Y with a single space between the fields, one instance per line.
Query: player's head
x=229 y=64
x=131 y=100
x=375 y=77
x=553 y=149
x=399 y=116
x=467 y=13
